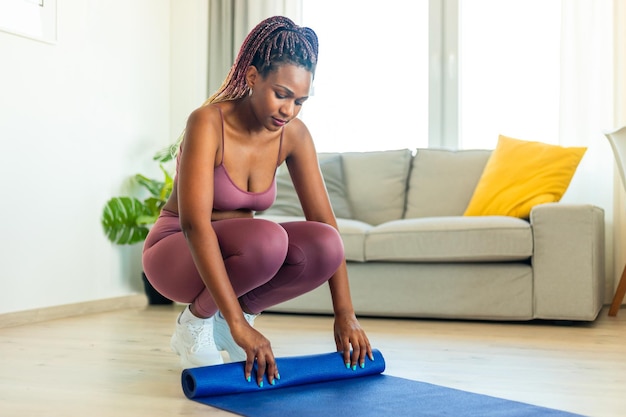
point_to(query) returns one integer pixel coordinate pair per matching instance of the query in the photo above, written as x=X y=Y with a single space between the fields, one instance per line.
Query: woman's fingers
x=352 y=341
x=361 y=350
x=272 y=370
x=261 y=352
x=261 y=365
x=248 y=368
x=265 y=365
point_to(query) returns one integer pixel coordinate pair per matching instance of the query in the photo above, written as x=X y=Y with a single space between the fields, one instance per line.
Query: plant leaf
x=119 y=220
x=166 y=154
x=126 y=219
x=168 y=184
x=154 y=187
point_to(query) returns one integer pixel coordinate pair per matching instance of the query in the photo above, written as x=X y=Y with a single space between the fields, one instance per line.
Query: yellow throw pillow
x=521 y=174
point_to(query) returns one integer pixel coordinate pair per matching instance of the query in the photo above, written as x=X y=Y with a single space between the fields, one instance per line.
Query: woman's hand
x=257 y=347
x=348 y=333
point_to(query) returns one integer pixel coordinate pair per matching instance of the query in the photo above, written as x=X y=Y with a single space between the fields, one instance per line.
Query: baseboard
x=70 y=310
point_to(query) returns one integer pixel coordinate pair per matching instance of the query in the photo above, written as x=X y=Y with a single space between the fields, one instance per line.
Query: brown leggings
x=267 y=262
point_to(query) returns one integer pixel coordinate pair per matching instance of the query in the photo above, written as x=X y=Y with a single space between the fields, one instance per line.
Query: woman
x=208 y=250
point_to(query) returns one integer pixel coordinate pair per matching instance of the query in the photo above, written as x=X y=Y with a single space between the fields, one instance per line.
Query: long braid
x=273 y=41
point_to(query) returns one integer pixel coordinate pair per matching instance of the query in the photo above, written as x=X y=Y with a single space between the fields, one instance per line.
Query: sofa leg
x=619 y=295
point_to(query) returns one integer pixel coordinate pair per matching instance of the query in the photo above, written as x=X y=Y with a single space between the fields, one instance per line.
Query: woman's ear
x=251 y=76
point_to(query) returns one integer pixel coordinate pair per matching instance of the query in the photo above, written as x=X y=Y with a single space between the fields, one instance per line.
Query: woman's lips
x=279 y=122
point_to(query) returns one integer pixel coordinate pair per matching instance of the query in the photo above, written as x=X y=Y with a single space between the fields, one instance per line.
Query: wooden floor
x=119 y=363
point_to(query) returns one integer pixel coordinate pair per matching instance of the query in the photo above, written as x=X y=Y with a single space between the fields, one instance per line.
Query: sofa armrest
x=568 y=261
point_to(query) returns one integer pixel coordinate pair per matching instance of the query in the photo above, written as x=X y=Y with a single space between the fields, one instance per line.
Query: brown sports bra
x=228 y=196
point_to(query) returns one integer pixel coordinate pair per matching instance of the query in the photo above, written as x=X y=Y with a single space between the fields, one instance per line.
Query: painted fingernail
x=273 y=382
x=277 y=376
x=248 y=379
x=348 y=365
x=354 y=367
x=362 y=365
x=261 y=384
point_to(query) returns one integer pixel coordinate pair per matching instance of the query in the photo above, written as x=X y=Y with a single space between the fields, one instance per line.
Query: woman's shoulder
x=297 y=130
x=206 y=119
x=206 y=113
x=204 y=125
x=297 y=140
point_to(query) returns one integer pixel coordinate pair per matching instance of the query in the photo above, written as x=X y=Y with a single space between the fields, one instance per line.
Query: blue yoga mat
x=321 y=385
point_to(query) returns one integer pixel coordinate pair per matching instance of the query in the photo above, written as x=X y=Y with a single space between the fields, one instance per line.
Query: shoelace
x=203 y=335
x=250 y=318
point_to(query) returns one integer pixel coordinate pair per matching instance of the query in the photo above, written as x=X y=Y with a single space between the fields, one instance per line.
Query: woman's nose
x=287 y=109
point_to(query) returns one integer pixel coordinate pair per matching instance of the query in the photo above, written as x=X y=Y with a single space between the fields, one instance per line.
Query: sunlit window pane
x=371 y=85
x=508 y=71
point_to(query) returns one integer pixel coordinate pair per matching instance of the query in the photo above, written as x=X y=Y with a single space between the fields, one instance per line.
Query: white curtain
x=587 y=106
x=619 y=203
x=229 y=23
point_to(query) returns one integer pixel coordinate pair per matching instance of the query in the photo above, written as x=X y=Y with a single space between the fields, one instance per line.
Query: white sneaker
x=194 y=342
x=224 y=339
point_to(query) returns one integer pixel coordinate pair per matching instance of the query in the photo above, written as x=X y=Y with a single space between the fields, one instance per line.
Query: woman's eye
x=278 y=95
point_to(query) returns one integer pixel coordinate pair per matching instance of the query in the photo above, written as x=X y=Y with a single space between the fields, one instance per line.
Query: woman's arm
x=309 y=184
x=195 y=206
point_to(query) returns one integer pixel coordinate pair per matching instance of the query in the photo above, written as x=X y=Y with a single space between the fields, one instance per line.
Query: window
x=490 y=67
x=371 y=85
x=509 y=55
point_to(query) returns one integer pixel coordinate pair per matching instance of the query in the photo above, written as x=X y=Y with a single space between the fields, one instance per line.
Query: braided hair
x=275 y=41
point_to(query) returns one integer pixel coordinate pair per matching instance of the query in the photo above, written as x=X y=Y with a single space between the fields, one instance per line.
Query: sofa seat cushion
x=451 y=239
x=353 y=233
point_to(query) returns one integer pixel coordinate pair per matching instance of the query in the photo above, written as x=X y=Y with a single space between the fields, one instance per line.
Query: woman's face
x=278 y=98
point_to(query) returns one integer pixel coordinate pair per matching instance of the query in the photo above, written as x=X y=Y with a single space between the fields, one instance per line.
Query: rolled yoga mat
x=297 y=370
x=321 y=385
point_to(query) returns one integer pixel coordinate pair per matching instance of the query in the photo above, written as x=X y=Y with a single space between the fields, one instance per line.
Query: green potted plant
x=126 y=220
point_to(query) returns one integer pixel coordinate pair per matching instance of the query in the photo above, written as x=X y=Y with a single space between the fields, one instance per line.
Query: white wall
x=189 y=60
x=77 y=119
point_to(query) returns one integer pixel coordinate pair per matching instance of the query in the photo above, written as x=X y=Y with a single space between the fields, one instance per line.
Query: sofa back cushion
x=287 y=202
x=441 y=182
x=376 y=184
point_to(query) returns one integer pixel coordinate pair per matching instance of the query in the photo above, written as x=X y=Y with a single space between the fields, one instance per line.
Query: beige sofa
x=412 y=253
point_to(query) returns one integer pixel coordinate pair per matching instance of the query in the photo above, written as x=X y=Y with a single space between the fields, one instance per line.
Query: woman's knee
x=319 y=243
x=330 y=245
x=262 y=244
